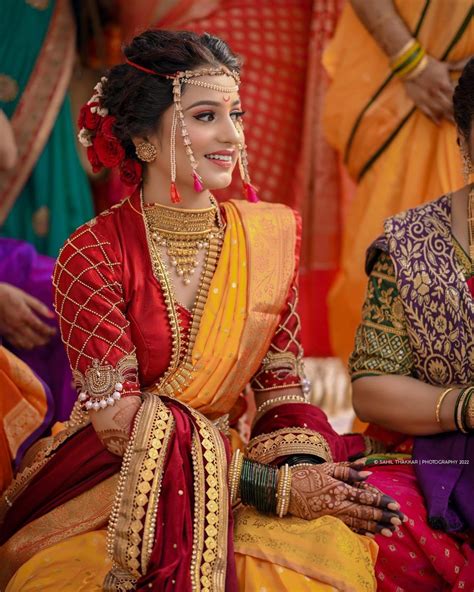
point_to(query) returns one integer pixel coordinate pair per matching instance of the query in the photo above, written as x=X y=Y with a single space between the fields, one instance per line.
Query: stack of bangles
x=265 y=487
x=463 y=408
x=410 y=61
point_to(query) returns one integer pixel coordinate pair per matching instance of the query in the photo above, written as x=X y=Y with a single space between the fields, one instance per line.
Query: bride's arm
x=89 y=302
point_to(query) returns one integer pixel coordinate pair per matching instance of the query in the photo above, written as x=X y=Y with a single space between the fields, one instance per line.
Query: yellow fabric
x=256 y=575
x=420 y=164
x=23 y=408
x=80 y=563
x=323 y=550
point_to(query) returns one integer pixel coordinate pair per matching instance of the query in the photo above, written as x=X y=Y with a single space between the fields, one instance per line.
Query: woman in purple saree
x=413 y=373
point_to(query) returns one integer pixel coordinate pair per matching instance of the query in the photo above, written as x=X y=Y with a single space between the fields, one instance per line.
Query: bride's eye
x=207 y=116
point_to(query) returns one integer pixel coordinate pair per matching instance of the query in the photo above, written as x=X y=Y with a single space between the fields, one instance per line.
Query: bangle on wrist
x=441 y=398
x=297 y=459
x=463 y=410
x=410 y=61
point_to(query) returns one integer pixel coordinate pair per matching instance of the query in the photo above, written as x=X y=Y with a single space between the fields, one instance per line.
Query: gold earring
x=146 y=152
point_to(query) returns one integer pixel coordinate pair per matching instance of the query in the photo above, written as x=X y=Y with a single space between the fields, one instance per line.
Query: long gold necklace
x=184 y=233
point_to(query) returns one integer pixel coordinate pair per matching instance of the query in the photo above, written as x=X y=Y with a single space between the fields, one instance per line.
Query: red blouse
x=113 y=314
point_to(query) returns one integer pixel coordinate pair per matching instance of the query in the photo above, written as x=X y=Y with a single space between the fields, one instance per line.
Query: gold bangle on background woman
x=440 y=402
x=464 y=410
x=410 y=61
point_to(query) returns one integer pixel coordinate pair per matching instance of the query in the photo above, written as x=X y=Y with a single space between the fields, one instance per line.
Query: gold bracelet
x=440 y=402
x=283 y=491
x=235 y=470
x=469 y=418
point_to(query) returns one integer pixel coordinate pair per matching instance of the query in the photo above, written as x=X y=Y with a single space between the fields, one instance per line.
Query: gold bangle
x=406 y=49
x=235 y=471
x=283 y=491
x=411 y=64
x=440 y=402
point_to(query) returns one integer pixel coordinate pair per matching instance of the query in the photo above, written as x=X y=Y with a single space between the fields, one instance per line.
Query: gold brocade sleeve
x=381 y=344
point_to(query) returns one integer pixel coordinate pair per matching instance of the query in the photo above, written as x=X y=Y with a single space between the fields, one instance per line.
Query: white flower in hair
x=84 y=137
x=98 y=87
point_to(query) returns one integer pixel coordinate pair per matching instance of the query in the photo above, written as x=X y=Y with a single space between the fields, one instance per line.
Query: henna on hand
x=315 y=492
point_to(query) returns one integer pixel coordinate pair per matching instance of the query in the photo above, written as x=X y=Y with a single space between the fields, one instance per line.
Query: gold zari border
x=132 y=526
x=287 y=441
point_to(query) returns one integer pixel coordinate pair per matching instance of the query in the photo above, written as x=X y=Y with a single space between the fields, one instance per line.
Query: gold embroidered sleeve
x=282 y=367
x=382 y=345
x=88 y=298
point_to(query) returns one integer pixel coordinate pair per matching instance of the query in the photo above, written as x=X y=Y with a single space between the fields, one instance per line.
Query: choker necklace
x=183 y=233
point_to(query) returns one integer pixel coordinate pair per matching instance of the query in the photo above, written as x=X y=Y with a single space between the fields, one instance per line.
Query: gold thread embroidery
x=268 y=447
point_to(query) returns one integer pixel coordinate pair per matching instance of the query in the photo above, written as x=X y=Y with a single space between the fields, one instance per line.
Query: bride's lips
x=222 y=158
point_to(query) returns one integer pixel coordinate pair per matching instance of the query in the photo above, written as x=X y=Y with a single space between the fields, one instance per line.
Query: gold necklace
x=183 y=233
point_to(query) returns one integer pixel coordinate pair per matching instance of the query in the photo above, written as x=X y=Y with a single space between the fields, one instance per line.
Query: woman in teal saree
x=45 y=196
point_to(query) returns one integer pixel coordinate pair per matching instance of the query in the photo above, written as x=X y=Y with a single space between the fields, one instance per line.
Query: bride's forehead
x=197 y=92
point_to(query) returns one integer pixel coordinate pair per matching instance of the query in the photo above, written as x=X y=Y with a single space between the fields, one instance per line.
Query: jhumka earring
x=146 y=152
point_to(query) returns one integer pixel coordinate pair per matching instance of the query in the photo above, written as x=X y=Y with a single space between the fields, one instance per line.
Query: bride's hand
x=339 y=490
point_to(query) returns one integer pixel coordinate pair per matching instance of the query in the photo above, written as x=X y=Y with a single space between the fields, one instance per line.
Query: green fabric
x=58 y=181
x=382 y=345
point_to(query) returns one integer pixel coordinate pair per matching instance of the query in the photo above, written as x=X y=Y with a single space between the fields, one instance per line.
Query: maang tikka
x=190 y=77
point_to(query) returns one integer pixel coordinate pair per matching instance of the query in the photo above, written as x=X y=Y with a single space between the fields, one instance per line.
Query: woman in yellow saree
x=395 y=134
x=167 y=312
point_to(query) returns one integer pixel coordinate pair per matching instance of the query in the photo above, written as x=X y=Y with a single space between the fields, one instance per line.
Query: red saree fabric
x=79 y=464
x=418 y=557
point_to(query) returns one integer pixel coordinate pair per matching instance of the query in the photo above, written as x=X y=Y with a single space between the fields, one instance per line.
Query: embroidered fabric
x=283 y=366
x=382 y=344
x=89 y=302
x=288 y=441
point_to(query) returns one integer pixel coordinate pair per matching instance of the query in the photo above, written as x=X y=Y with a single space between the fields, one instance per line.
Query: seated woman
x=167 y=312
x=413 y=373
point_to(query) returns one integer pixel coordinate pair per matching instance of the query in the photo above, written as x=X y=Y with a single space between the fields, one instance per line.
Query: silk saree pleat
x=26 y=409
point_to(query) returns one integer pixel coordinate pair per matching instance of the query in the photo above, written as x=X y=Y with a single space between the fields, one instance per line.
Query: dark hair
x=463 y=100
x=136 y=99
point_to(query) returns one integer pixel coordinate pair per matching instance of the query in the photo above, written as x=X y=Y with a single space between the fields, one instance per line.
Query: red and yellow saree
x=166 y=504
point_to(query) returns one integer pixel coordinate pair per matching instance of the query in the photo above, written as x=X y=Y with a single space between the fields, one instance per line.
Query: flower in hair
x=130 y=172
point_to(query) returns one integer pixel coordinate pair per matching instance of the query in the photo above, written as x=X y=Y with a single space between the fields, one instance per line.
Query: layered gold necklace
x=184 y=233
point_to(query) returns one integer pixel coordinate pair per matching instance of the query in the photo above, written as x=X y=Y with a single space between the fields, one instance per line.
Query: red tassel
x=175 y=197
x=250 y=193
x=198 y=186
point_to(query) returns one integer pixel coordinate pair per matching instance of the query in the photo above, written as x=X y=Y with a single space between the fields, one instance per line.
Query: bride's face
x=212 y=120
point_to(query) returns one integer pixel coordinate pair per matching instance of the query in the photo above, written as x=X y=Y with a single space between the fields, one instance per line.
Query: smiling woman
x=169 y=305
